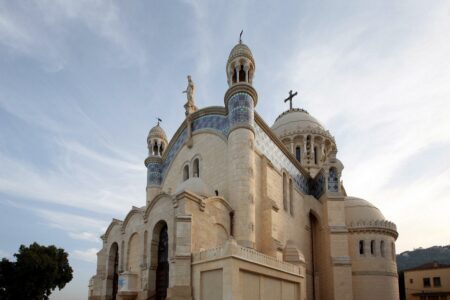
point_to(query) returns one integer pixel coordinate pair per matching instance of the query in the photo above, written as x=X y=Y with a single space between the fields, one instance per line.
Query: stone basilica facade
x=238 y=209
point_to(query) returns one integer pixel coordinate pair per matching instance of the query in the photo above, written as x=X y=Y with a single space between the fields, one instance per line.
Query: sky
x=82 y=82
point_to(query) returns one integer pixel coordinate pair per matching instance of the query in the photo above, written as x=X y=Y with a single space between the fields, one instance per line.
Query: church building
x=238 y=209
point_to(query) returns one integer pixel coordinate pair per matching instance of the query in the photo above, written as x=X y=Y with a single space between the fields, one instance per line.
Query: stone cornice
x=375 y=226
x=241 y=87
x=154 y=159
x=152 y=203
x=134 y=210
x=309 y=130
x=189 y=196
x=374 y=273
x=114 y=222
x=210 y=110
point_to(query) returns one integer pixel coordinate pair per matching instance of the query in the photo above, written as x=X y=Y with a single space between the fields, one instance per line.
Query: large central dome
x=305 y=137
x=294 y=120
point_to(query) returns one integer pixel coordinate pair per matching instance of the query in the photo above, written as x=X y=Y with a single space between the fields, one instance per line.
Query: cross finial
x=291 y=96
x=240 y=36
x=159 y=120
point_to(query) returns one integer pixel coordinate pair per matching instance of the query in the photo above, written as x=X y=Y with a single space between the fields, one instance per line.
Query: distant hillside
x=420 y=256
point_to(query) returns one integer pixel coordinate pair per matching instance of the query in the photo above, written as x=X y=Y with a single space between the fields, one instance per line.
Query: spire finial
x=291 y=96
x=159 y=120
x=240 y=36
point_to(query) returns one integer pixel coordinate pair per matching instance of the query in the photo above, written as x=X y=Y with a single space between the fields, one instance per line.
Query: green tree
x=37 y=271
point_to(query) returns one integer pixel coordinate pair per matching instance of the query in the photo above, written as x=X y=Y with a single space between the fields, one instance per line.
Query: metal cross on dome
x=291 y=96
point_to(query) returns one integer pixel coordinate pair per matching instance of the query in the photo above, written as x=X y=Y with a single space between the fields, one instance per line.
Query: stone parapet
x=232 y=249
x=381 y=226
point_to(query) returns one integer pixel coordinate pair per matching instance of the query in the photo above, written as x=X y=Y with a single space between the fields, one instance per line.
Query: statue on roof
x=190 y=91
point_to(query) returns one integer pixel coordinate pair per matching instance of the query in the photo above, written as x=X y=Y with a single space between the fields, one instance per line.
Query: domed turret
x=240 y=65
x=371 y=242
x=156 y=141
x=359 y=210
x=305 y=137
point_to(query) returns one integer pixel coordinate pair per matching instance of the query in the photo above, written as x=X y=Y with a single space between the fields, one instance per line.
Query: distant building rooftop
x=428 y=266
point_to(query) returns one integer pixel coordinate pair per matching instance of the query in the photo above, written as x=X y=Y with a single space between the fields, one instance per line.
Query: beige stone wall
x=212 y=151
x=233 y=278
x=374 y=275
x=414 y=282
x=375 y=287
x=210 y=226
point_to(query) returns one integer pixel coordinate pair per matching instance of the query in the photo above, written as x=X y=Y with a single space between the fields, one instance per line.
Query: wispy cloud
x=33 y=29
x=385 y=107
x=88 y=255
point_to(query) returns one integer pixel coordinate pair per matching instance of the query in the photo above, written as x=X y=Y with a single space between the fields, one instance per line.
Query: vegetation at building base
x=37 y=271
x=411 y=259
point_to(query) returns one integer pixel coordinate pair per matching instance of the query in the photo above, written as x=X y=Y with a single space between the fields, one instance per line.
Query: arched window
x=155 y=148
x=291 y=198
x=285 y=205
x=372 y=247
x=361 y=247
x=234 y=78
x=382 y=250
x=196 y=168
x=298 y=153
x=315 y=155
x=333 y=184
x=241 y=74
x=185 y=173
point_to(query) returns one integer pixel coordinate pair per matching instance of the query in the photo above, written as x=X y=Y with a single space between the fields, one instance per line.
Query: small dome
x=357 y=210
x=241 y=50
x=197 y=186
x=157 y=132
x=293 y=120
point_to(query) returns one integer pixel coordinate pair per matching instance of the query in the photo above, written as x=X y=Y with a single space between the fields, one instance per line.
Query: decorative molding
x=152 y=204
x=220 y=200
x=374 y=273
x=232 y=249
x=373 y=226
x=189 y=196
x=134 y=210
x=338 y=229
x=341 y=261
x=184 y=218
x=241 y=87
x=114 y=222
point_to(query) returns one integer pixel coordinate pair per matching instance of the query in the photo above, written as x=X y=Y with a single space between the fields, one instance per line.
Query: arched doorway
x=113 y=272
x=162 y=270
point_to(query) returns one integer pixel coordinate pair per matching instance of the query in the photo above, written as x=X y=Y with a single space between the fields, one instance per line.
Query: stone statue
x=190 y=91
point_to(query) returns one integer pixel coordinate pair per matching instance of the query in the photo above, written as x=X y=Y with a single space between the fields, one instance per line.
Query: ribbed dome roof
x=197 y=186
x=357 y=210
x=241 y=50
x=157 y=132
x=294 y=120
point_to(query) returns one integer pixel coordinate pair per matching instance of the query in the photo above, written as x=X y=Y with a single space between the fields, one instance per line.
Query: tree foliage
x=37 y=271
